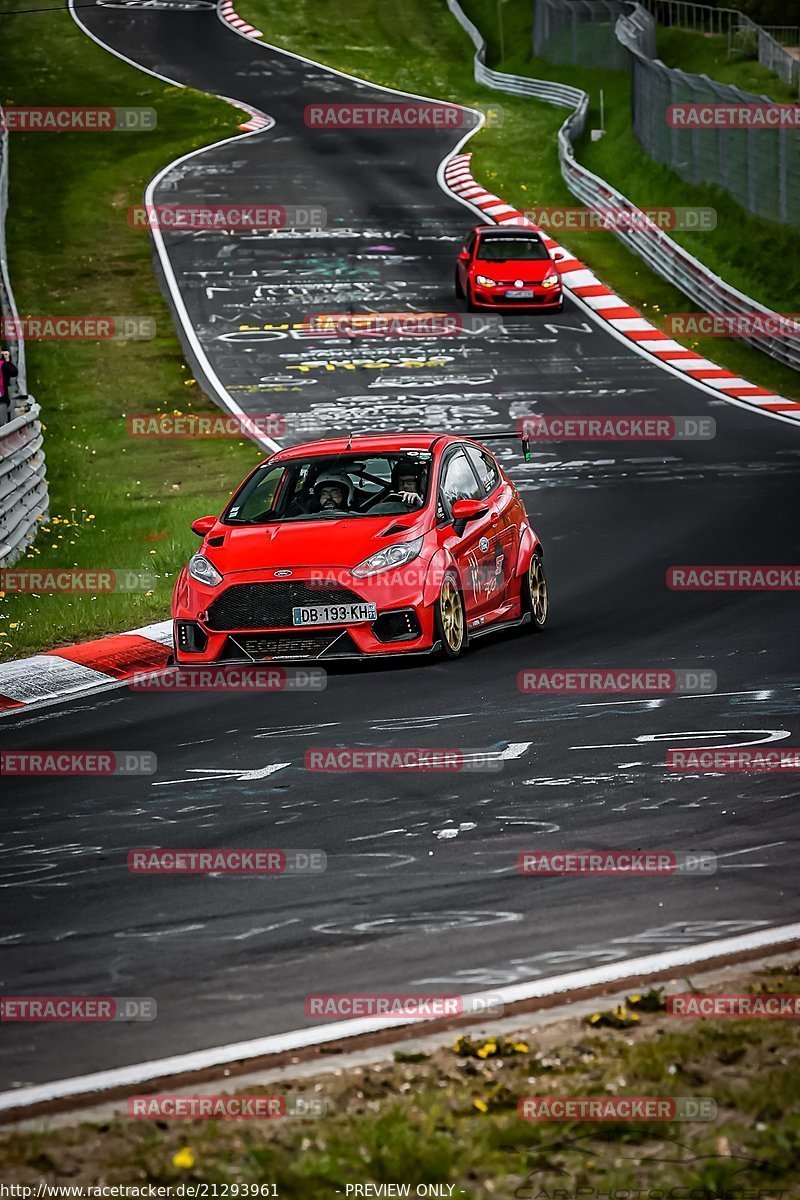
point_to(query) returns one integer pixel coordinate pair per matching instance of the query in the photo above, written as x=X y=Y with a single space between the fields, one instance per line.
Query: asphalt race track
x=422 y=889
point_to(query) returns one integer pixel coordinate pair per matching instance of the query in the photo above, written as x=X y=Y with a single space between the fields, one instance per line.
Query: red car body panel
x=513 y=274
x=490 y=556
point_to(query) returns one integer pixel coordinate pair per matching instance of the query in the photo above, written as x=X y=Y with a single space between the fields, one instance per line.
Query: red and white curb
x=620 y=317
x=256 y=120
x=85 y=667
x=229 y=14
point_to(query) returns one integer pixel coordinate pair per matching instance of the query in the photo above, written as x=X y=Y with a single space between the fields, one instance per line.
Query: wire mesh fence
x=579 y=32
x=758 y=166
x=769 y=45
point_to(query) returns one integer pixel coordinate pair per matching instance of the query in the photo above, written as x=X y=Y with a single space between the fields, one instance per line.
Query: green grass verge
x=419 y=47
x=450 y=1119
x=707 y=54
x=115 y=501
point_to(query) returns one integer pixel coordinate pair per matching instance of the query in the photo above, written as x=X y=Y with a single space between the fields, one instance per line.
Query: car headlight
x=484 y=281
x=550 y=280
x=385 y=560
x=204 y=571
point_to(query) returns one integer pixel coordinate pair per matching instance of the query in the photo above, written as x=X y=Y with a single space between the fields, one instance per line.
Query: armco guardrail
x=518 y=85
x=23 y=486
x=646 y=240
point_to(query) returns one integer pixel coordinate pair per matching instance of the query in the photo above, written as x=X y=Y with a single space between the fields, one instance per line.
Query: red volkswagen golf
x=508 y=266
x=347 y=548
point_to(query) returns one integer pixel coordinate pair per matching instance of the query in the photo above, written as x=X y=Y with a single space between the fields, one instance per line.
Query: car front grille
x=269 y=605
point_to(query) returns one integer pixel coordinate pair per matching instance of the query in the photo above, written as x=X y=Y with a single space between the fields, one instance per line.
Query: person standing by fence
x=8 y=371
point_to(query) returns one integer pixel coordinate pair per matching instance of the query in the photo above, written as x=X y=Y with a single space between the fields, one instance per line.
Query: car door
x=471 y=549
x=504 y=534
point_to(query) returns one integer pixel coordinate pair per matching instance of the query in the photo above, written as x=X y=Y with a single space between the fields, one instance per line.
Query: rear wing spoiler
x=505 y=437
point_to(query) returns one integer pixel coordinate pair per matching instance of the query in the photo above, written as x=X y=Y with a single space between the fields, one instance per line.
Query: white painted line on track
x=182 y=1064
x=224 y=397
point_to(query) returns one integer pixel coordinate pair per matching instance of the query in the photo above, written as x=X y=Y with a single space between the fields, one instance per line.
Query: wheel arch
x=529 y=545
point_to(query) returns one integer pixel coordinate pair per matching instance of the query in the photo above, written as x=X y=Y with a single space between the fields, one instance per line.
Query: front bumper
x=543 y=299
x=403 y=625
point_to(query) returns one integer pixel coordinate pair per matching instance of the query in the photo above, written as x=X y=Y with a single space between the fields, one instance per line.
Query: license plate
x=334 y=614
x=520 y=294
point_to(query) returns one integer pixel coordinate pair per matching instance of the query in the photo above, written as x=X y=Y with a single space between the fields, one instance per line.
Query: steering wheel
x=392 y=504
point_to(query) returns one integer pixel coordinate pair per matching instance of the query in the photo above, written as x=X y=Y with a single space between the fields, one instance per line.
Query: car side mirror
x=467 y=510
x=557 y=256
x=463 y=256
x=203 y=525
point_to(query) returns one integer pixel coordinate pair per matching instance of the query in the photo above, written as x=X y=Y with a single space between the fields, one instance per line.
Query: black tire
x=471 y=305
x=535 y=600
x=449 y=608
x=459 y=288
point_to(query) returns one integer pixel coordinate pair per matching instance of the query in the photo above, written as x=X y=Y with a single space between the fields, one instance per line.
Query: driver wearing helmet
x=333 y=490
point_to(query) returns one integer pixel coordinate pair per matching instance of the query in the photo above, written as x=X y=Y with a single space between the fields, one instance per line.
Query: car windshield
x=505 y=249
x=319 y=489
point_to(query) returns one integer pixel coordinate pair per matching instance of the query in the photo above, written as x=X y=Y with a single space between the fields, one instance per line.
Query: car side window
x=485 y=467
x=458 y=481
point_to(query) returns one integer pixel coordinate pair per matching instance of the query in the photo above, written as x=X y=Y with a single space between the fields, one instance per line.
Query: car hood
x=529 y=272
x=296 y=544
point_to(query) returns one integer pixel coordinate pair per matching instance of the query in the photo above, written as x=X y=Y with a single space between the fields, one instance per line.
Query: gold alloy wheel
x=451 y=613
x=537 y=589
